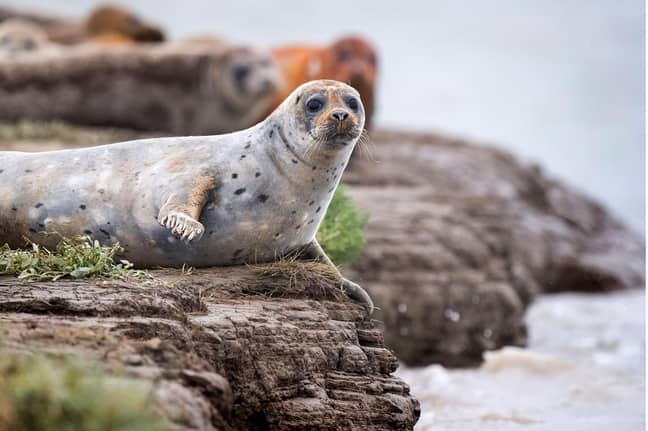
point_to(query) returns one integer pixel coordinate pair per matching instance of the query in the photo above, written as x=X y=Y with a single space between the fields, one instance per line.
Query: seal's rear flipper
x=357 y=293
x=315 y=252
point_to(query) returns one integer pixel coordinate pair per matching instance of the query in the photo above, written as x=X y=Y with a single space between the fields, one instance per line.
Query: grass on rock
x=341 y=233
x=73 y=257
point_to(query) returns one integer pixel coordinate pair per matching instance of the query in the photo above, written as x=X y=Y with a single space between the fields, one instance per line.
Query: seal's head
x=117 y=21
x=18 y=36
x=249 y=76
x=353 y=60
x=327 y=114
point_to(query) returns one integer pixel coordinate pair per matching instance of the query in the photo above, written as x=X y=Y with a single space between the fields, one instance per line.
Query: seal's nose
x=339 y=115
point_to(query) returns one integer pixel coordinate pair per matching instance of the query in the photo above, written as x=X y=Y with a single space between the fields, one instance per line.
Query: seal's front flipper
x=181 y=212
x=314 y=251
x=182 y=225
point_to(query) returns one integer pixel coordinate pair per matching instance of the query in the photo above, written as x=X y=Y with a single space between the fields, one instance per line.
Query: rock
x=461 y=237
x=224 y=349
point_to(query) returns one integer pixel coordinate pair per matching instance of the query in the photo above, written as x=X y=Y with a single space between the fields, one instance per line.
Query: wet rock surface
x=462 y=237
x=224 y=349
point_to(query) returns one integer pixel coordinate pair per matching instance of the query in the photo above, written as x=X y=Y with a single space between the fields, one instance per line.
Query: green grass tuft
x=55 y=394
x=75 y=257
x=341 y=233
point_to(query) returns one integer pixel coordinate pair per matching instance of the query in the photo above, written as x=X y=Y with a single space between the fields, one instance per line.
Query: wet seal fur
x=246 y=197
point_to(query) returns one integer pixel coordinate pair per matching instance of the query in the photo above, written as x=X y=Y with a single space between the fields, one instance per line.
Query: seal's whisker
x=364 y=142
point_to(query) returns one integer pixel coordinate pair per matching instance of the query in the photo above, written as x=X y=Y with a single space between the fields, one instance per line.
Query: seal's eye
x=314 y=105
x=352 y=103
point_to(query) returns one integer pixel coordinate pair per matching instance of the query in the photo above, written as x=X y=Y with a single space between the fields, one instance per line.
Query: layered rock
x=461 y=237
x=223 y=349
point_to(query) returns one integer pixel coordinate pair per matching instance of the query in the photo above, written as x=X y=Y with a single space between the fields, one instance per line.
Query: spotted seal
x=247 y=196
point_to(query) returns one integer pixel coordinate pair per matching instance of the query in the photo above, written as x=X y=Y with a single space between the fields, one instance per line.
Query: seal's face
x=352 y=60
x=331 y=112
x=17 y=36
x=250 y=75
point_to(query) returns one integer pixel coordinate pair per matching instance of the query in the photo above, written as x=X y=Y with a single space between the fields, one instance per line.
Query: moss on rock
x=64 y=394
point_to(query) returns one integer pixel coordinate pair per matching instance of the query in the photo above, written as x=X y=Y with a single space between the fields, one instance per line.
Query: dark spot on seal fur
x=263 y=198
x=242 y=156
x=14 y=209
x=105 y=232
x=297 y=227
x=318 y=209
x=31 y=229
x=87 y=232
x=278 y=234
x=271 y=133
x=297 y=102
x=237 y=252
x=293 y=212
x=314 y=167
x=294 y=161
x=239 y=191
x=257 y=175
x=82 y=206
x=38 y=205
x=311 y=221
x=27 y=171
x=248 y=145
x=41 y=225
x=101 y=191
x=234 y=176
x=1 y=171
x=311 y=203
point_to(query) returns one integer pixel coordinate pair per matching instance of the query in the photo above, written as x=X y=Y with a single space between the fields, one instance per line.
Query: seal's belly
x=232 y=236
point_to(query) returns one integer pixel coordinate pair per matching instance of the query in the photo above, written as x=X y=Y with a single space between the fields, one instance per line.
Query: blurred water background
x=583 y=371
x=560 y=82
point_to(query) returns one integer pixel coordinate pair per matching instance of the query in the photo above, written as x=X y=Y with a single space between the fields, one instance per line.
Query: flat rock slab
x=223 y=349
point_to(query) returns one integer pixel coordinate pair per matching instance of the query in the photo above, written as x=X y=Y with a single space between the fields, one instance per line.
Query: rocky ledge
x=241 y=348
x=461 y=237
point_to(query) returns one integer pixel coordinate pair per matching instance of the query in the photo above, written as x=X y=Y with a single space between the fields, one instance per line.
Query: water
x=560 y=82
x=584 y=370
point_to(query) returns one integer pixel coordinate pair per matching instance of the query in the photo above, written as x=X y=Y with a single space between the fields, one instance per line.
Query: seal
x=239 y=90
x=111 y=24
x=19 y=37
x=349 y=59
x=244 y=197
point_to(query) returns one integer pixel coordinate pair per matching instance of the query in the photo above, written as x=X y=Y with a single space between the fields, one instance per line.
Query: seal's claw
x=357 y=293
x=183 y=226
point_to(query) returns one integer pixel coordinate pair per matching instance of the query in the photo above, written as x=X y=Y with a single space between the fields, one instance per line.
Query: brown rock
x=225 y=349
x=461 y=238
